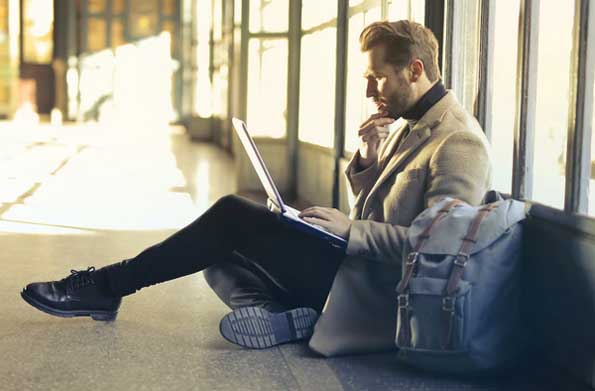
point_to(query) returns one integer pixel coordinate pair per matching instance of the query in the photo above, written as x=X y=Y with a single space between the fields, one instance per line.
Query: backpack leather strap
x=456 y=273
x=404 y=338
x=410 y=264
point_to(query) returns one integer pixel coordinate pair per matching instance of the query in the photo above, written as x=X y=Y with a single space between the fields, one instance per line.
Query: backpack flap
x=447 y=235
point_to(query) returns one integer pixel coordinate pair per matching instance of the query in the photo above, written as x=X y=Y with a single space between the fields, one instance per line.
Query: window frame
x=581 y=102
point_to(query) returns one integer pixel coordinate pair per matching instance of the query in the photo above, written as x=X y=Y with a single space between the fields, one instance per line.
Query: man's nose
x=371 y=88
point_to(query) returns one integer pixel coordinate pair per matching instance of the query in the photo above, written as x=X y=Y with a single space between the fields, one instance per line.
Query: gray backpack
x=459 y=296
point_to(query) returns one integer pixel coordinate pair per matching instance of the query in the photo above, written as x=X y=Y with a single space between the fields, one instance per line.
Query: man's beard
x=399 y=103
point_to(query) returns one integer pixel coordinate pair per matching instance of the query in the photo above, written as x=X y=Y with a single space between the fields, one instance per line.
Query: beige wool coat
x=445 y=154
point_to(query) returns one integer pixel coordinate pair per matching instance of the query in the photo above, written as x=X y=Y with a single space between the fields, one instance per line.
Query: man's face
x=388 y=85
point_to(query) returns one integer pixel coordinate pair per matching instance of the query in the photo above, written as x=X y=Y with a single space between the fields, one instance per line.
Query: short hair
x=403 y=41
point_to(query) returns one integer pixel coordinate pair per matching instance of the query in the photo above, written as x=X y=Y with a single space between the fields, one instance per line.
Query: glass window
x=118 y=7
x=96 y=34
x=237 y=12
x=217 y=20
x=398 y=10
x=38 y=29
x=317 y=88
x=267 y=87
x=504 y=92
x=467 y=47
x=553 y=92
x=169 y=26
x=168 y=7
x=269 y=15
x=406 y=9
x=418 y=10
x=95 y=6
x=202 y=91
x=118 y=33
x=143 y=17
x=220 y=86
x=358 y=107
x=315 y=12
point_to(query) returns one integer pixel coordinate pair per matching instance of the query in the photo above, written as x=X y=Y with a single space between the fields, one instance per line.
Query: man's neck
x=427 y=100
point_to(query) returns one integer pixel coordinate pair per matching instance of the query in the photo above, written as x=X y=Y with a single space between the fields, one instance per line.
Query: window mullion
x=578 y=154
x=244 y=59
x=447 y=59
x=524 y=132
x=486 y=60
x=340 y=89
x=293 y=92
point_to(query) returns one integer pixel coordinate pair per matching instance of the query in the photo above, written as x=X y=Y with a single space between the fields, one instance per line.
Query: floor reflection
x=92 y=177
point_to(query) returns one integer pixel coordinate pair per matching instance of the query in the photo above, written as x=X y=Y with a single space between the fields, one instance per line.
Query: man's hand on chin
x=331 y=219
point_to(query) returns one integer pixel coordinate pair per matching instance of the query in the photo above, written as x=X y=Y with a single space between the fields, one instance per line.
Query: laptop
x=288 y=214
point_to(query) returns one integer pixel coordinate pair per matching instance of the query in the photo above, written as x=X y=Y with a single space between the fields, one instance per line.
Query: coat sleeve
x=459 y=168
x=360 y=180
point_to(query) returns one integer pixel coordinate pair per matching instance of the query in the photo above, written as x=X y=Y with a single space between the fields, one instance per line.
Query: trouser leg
x=303 y=265
x=238 y=283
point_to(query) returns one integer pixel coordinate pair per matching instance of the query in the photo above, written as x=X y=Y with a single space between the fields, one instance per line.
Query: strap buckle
x=448 y=304
x=461 y=259
x=412 y=258
x=403 y=300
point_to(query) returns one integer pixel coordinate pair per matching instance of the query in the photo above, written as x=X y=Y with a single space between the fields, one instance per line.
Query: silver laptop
x=288 y=214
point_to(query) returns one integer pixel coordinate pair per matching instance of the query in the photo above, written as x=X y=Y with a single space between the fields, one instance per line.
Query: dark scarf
x=428 y=100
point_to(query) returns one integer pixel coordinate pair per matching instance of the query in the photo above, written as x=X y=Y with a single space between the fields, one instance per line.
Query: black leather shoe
x=75 y=295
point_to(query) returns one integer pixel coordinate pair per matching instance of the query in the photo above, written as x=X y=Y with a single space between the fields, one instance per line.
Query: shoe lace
x=80 y=278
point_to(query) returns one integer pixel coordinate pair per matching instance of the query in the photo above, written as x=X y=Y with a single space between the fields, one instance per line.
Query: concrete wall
x=315 y=175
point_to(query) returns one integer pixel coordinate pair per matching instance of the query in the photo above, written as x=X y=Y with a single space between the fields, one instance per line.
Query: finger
x=383 y=134
x=376 y=122
x=316 y=211
x=313 y=213
x=380 y=131
x=308 y=209
x=315 y=220
x=374 y=116
x=381 y=122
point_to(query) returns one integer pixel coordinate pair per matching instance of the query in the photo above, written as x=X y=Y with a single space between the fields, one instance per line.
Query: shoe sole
x=257 y=328
x=95 y=315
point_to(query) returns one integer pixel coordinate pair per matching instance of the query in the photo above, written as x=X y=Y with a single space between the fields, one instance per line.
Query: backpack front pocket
x=429 y=321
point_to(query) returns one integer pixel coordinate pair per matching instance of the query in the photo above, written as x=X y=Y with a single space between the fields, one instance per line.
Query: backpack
x=460 y=293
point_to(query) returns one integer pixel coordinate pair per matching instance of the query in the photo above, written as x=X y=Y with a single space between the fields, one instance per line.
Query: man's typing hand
x=331 y=219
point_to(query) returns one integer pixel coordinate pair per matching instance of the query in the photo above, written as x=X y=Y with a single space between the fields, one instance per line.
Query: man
x=277 y=279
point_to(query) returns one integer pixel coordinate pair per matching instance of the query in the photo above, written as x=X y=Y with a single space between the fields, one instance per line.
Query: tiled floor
x=78 y=196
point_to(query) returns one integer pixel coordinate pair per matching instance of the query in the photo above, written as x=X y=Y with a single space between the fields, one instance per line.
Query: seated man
x=277 y=279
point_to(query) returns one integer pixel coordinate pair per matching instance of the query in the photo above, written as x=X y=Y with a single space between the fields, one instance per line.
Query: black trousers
x=249 y=256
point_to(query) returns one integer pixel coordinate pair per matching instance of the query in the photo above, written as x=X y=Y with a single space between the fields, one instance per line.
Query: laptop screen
x=257 y=162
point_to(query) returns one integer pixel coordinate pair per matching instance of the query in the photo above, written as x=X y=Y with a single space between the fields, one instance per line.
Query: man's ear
x=417 y=69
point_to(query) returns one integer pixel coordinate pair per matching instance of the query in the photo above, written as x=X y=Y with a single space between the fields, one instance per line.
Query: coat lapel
x=390 y=147
x=416 y=138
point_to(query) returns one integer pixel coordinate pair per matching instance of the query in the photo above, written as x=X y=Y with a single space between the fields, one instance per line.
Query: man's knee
x=228 y=200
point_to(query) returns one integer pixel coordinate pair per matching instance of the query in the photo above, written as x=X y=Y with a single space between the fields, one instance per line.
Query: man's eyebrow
x=369 y=73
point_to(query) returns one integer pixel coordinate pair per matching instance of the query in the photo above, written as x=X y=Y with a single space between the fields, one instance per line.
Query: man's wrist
x=363 y=164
